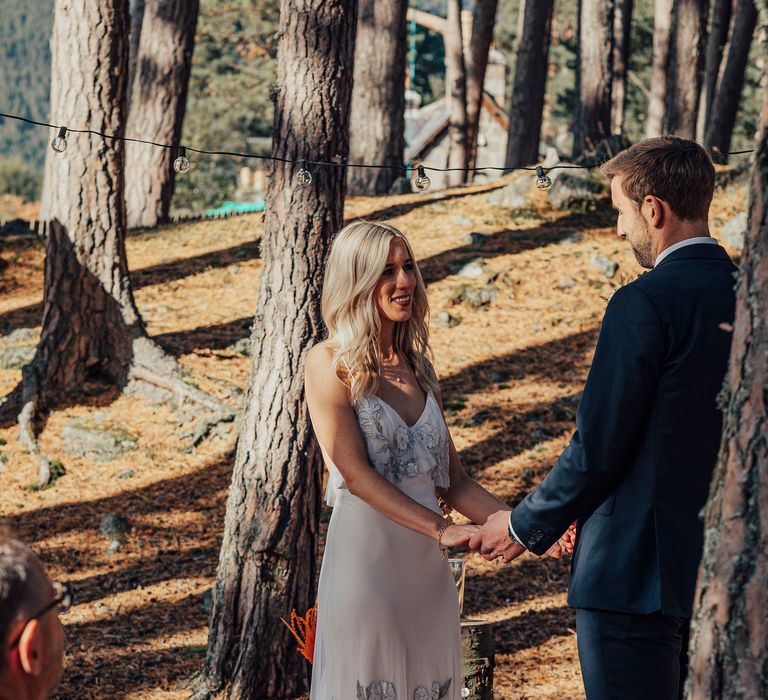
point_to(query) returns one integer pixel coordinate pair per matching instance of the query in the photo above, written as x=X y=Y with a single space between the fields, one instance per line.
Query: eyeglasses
x=62 y=599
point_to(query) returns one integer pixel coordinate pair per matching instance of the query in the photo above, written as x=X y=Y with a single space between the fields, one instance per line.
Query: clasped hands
x=492 y=540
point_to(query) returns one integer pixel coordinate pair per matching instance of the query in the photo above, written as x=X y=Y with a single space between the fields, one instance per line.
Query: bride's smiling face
x=394 y=290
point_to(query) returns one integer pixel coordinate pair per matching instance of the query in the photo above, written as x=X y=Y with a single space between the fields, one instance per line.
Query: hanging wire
x=339 y=164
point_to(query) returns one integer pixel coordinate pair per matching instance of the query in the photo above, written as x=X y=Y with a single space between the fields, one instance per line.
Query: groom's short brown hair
x=679 y=171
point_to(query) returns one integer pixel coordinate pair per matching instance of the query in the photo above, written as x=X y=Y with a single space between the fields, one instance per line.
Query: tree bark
x=717 y=38
x=456 y=94
x=592 y=122
x=483 y=18
x=622 y=34
x=686 y=66
x=527 y=105
x=267 y=565
x=158 y=104
x=377 y=122
x=136 y=14
x=89 y=316
x=726 y=102
x=662 y=30
x=729 y=642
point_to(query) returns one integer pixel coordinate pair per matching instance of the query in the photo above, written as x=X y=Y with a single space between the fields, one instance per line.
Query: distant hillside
x=25 y=69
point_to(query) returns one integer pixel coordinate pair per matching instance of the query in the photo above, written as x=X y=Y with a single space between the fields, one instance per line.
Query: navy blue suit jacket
x=636 y=473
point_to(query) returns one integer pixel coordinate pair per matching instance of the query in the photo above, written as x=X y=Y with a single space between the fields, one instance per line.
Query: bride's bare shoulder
x=319 y=363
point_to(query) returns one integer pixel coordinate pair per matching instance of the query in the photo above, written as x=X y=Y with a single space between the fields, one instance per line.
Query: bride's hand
x=458 y=535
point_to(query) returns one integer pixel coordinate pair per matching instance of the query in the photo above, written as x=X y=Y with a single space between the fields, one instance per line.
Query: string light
x=59 y=143
x=543 y=181
x=421 y=181
x=182 y=164
x=303 y=177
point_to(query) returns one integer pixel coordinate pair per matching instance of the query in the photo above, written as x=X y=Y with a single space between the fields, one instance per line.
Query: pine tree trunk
x=527 y=106
x=662 y=31
x=592 y=122
x=89 y=316
x=456 y=94
x=716 y=41
x=622 y=33
x=158 y=104
x=686 y=66
x=377 y=122
x=726 y=102
x=267 y=565
x=136 y=14
x=483 y=18
x=729 y=643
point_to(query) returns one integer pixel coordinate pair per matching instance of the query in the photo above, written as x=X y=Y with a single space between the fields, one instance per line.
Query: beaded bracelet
x=443 y=548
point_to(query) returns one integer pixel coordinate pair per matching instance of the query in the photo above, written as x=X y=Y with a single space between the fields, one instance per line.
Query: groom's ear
x=655 y=210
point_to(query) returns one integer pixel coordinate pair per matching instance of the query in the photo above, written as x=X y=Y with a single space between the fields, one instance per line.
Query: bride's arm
x=337 y=430
x=465 y=495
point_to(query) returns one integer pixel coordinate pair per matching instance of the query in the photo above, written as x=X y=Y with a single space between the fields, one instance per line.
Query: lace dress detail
x=388 y=618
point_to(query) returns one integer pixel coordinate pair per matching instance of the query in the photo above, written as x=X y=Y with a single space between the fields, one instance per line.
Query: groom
x=636 y=473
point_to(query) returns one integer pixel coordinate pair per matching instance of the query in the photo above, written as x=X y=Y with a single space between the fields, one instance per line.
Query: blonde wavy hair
x=355 y=264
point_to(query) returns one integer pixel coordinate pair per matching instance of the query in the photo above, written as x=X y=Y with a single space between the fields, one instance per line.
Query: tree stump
x=477 y=650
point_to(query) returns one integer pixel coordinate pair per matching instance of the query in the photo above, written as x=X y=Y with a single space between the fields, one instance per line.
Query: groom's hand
x=492 y=540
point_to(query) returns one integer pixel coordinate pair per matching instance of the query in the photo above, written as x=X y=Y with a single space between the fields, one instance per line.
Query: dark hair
x=679 y=171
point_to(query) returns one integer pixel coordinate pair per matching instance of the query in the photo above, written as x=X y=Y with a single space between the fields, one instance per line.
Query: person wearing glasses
x=31 y=632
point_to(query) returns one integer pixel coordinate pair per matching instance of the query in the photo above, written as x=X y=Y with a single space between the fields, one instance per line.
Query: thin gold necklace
x=395 y=373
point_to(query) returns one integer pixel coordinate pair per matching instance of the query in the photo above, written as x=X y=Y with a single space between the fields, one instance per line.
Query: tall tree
x=729 y=644
x=662 y=30
x=527 y=103
x=456 y=94
x=716 y=40
x=622 y=34
x=158 y=104
x=729 y=87
x=267 y=564
x=483 y=18
x=686 y=66
x=377 y=122
x=91 y=329
x=592 y=121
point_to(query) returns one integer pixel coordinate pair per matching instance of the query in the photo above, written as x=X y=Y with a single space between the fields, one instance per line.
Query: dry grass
x=139 y=629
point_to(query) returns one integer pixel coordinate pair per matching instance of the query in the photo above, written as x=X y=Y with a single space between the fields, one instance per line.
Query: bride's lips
x=403 y=299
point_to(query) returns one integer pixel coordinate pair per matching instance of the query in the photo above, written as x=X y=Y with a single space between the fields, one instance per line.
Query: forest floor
x=511 y=373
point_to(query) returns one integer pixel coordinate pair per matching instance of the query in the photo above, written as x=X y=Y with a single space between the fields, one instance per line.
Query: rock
x=461 y=221
x=447 y=320
x=475 y=298
x=515 y=194
x=604 y=264
x=242 y=347
x=574 y=190
x=233 y=269
x=474 y=238
x=206 y=600
x=734 y=231
x=473 y=269
x=566 y=282
x=21 y=336
x=500 y=375
x=16 y=357
x=571 y=239
x=115 y=528
x=102 y=443
x=114 y=546
x=125 y=474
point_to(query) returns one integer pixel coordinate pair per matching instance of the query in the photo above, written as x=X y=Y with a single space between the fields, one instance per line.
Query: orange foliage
x=304 y=629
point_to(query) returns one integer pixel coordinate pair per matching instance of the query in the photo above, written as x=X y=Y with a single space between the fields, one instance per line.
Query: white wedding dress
x=388 y=616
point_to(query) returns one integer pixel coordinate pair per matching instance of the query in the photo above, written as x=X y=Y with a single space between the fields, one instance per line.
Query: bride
x=388 y=618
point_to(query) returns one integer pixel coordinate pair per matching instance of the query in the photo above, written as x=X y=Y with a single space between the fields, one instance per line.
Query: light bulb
x=543 y=181
x=59 y=143
x=181 y=164
x=421 y=181
x=303 y=177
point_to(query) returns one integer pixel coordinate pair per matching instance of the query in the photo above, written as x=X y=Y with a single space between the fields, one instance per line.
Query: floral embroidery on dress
x=385 y=690
x=396 y=457
x=439 y=690
x=378 y=690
